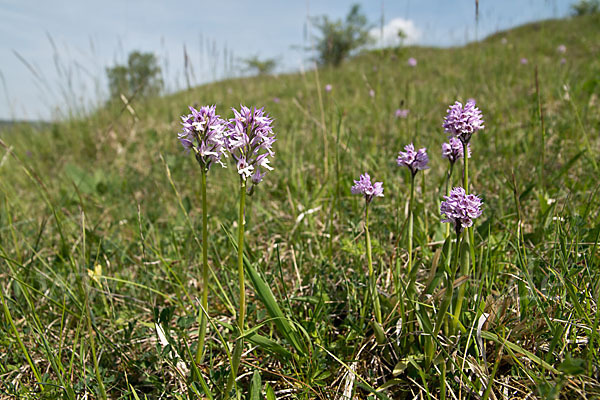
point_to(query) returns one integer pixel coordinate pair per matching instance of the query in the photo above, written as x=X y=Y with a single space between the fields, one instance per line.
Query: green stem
x=410 y=222
x=411 y=270
x=237 y=353
x=241 y=226
x=443 y=380
x=469 y=229
x=204 y=302
x=448 y=187
x=466 y=169
x=372 y=285
x=471 y=238
x=459 y=299
x=449 y=288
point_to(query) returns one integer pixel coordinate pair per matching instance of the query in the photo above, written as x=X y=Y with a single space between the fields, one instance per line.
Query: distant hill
x=5 y=124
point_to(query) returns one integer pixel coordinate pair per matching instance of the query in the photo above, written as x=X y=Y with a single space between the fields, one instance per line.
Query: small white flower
x=208 y=153
x=265 y=164
x=246 y=172
x=199 y=126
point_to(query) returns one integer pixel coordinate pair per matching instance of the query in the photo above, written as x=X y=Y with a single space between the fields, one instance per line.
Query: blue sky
x=69 y=43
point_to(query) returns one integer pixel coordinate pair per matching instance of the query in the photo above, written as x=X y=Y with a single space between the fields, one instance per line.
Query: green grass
x=100 y=225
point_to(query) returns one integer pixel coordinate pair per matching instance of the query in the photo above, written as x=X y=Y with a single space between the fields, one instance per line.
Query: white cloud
x=390 y=33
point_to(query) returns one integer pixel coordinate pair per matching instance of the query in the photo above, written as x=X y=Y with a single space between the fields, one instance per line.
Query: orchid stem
x=465 y=268
x=205 y=288
x=448 y=187
x=449 y=288
x=372 y=283
x=410 y=223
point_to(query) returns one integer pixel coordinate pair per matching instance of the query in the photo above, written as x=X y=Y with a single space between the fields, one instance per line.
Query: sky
x=54 y=54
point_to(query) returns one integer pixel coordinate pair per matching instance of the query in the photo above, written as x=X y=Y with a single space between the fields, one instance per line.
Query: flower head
x=250 y=140
x=413 y=160
x=204 y=133
x=460 y=209
x=328 y=87
x=524 y=61
x=462 y=122
x=453 y=150
x=412 y=62
x=561 y=48
x=364 y=186
x=402 y=113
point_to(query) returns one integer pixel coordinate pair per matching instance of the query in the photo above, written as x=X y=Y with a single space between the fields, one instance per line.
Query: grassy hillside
x=100 y=221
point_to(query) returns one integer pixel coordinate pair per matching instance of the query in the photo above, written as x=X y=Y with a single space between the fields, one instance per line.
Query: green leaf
x=514 y=347
x=270 y=392
x=255 y=386
x=135 y=395
x=269 y=345
x=572 y=366
x=321 y=375
x=200 y=387
x=379 y=333
x=369 y=389
x=266 y=297
x=400 y=367
x=389 y=384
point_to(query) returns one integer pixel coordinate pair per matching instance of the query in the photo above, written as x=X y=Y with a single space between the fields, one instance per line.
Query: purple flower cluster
x=402 y=113
x=461 y=122
x=460 y=209
x=364 y=186
x=250 y=140
x=204 y=133
x=412 y=62
x=453 y=150
x=413 y=160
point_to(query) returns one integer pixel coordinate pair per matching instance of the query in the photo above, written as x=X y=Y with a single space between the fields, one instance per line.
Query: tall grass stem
x=11 y=322
x=237 y=353
x=241 y=226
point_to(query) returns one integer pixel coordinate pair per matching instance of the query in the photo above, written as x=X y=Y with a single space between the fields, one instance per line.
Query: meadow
x=101 y=237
